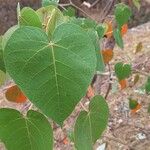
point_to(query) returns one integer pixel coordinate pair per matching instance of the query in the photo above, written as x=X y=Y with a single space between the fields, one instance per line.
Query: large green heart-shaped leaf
x=31 y=132
x=54 y=74
x=122 y=70
x=90 y=125
x=29 y=17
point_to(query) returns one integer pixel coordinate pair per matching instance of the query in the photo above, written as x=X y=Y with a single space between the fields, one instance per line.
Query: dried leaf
x=139 y=47
x=107 y=55
x=136 y=79
x=123 y=84
x=90 y=92
x=14 y=94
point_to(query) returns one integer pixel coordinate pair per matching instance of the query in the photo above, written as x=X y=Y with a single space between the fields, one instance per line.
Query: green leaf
x=147 y=86
x=122 y=70
x=49 y=2
x=118 y=38
x=70 y=11
x=7 y=35
x=137 y=3
x=31 y=132
x=53 y=21
x=122 y=14
x=132 y=103
x=28 y=17
x=2 y=65
x=90 y=125
x=54 y=74
x=101 y=29
x=51 y=17
x=2 y=77
x=90 y=27
x=100 y=63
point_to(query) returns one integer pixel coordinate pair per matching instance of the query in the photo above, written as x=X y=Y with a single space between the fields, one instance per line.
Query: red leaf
x=14 y=94
x=123 y=84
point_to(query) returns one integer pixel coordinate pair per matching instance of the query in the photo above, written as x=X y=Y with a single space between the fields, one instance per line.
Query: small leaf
x=70 y=11
x=123 y=84
x=122 y=70
x=136 y=79
x=122 y=14
x=137 y=3
x=49 y=2
x=28 y=17
x=118 y=38
x=101 y=30
x=107 y=55
x=132 y=103
x=147 y=86
x=139 y=47
x=14 y=94
x=30 y=132
x=90 y=125
x=2 y=77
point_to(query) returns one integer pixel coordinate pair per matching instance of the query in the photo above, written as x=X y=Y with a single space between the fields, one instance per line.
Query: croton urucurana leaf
x=90 y=125
x=54 y=74
x=30 y=132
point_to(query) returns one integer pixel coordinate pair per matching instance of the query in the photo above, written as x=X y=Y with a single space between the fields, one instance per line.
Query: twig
x=107 y=9
x=83 y=107
x=94 y=3
x=109 y=86
x=75 y=6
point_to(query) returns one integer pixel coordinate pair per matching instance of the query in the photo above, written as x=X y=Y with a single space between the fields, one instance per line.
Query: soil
x=125 y=131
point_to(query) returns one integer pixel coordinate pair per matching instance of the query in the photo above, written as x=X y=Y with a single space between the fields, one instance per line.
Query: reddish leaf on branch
x=90 y=92
x=123 y=84
x=14 y=94
x=107 y=55
x=124 y=29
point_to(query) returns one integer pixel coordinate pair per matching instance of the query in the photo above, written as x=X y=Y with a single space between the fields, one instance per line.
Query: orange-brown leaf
x=14 y=94
x=90 y=92
x=107 y=55
x=124 y=29
x=138 y=107
x=65 y=141
x=123 y=84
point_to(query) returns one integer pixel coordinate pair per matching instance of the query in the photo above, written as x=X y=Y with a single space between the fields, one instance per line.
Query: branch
x=109 y=86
